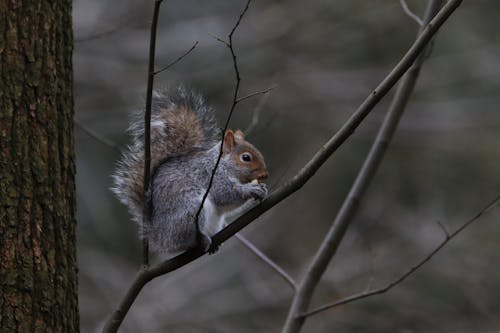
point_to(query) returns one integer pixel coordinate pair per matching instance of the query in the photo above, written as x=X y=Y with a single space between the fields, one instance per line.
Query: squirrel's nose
x=263 y=175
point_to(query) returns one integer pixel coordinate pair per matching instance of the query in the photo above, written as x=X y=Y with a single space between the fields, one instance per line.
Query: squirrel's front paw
x=204 y=242
x=213 y=248
x=257 y=191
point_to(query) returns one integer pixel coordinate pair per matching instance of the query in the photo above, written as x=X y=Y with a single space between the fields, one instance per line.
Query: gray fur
x=165 y=100
x=129 y=173
x=185 y=144
x=174 y=206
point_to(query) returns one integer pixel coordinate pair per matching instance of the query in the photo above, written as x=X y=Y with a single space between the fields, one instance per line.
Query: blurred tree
x=38 y=273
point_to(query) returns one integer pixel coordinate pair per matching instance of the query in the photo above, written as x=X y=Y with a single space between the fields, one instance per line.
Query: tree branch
x=331 y=242
x=259 y=254
x=93 y=134
x=262 y=92
x=300 y=178
x=444 y=229
x=176 y=60
x=229 y=116
x=409 y=272
x=104 y=33
x=147 y=127
x=256 y=115
x=411 y=14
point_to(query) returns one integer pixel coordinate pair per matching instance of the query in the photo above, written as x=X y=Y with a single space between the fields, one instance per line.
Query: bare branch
x=299 y=179
x=90 y=132
x=370 y=283
x=219 y=39
x=410 y=271
x=256 y=115
x=288 y=162
x=262 y=92
x=335 y=234
x=243 y=12
x=443 y=228
x=176 y=60
x=101 y=34
x=408 y=12
x=259 y=254
x=228 y=119
x=147 y=127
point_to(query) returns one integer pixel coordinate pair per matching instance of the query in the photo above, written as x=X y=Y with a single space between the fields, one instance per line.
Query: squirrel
x=185 y=146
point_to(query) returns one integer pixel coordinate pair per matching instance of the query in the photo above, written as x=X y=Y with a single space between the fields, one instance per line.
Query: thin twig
x=256 y=115
x=93 y=134
x=410 y=271
x=262 y=92
x=268 y=261
x=335 y=234
x=218 y=39
x=176 y=60
x=147 y=128
x=101 y=34
x=243 y=12
x=443 y=228
x=230 y=114
x=288 y=162
x=299 y=179
x=411 y=14
x=369 y=284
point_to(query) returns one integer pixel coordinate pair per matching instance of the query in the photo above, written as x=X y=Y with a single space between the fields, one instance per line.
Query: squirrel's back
x=181 y=122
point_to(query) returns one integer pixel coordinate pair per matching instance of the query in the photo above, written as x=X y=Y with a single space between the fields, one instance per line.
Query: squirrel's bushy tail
x=180 y=123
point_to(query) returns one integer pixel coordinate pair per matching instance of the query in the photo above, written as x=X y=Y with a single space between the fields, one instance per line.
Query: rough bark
x=38 y=272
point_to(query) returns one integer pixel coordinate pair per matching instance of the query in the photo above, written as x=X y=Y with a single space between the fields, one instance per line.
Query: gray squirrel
x=185 y=145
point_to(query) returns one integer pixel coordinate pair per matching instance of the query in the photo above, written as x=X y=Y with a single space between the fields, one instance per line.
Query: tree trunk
x=38 y=272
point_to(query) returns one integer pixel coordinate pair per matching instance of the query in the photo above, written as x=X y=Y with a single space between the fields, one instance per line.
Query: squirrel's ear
x=228 y=144
x=239 y=134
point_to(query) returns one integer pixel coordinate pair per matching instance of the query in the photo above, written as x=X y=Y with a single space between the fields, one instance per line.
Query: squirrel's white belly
x=214 y=220
x=217 y=217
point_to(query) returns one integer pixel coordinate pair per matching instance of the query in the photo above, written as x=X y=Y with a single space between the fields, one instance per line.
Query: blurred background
x=324 y=57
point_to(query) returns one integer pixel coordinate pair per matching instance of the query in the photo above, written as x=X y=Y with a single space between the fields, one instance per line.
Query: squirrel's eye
x=246 y=157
